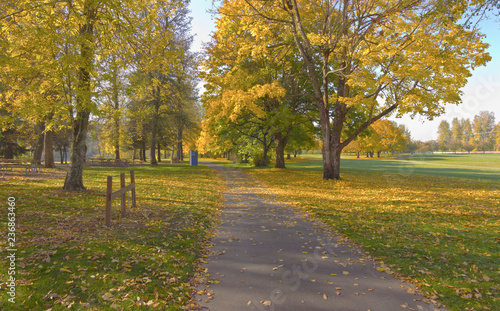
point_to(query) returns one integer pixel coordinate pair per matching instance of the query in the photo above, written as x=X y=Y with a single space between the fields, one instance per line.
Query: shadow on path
x=268 y=256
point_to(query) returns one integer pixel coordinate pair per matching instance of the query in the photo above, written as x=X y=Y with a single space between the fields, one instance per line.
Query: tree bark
x=39 y=130
x=159 y=153
x=180 y=155
x=173 y=158
x=74 y=177
x=48 y=144
x=320 y=96
x=152 y=151
x=154 y=125
x=280 y=142
x=265 y=149
x=9 y=144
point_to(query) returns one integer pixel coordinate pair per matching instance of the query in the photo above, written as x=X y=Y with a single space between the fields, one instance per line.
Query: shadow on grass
x=418 y=165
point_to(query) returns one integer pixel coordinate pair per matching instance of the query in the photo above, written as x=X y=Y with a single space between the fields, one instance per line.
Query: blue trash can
x=193 y=158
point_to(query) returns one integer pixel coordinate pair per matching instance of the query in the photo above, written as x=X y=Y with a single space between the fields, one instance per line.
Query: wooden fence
x=110 y=195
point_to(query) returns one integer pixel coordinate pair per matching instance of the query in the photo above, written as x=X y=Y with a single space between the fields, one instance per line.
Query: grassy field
x=67 y=258
x=432 y=219
x=470 y=166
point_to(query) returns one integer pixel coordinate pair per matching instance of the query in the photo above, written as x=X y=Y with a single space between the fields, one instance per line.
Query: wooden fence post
x=132 y=181
x=110 y=195
x=108 y=201
x=122 y=185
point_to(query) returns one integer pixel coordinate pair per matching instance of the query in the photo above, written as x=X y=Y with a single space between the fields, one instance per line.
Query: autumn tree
x=54 y=54
x=483 y=127
x=368 y=143
x=444 y=135
x=391 y=137
x=381 y=136
x=265 y=87
x=497 y=137
x=467 y=135
x=457 y=133
x=243 y=96
x=378 y=58
x=302 y=138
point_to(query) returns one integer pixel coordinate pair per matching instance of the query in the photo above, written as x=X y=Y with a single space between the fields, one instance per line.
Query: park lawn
x=149 y=259
x=469 y=166
x=440 y=232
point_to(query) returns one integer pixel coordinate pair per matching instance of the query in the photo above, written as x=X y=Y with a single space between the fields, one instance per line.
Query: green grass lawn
x=67 y=258
x=470 y=166
x=434 y=219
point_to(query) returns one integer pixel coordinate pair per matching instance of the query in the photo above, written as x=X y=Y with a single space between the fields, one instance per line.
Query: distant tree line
x=480 y=134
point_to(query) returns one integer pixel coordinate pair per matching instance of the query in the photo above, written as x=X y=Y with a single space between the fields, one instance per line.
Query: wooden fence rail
x=110 y=195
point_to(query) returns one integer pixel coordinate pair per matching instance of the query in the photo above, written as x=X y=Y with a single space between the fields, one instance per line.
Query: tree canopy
x=364 y=60
x=84 y=60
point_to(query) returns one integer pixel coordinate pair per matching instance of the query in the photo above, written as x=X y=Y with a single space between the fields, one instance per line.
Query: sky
x=481 y=93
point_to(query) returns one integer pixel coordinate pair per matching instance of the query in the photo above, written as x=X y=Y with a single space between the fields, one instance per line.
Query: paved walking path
x=269 y=256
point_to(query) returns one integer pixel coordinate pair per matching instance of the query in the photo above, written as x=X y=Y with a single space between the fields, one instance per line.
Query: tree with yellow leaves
x=252 y=91
x=53 y=51
x=376 y=58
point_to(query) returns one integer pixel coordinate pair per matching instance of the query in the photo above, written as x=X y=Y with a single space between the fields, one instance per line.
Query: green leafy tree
x=374 y=57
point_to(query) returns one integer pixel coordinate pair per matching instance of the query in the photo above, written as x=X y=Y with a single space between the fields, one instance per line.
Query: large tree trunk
x=336 y=162
x=39 y=129
x=61 y=155
x=173 y=158
x=263 y=161
x=180 y=155
x=74 y=177
x=48 y=144
x=265 y=149
x=159 y=152
x=154 y=125
x=152 y=151
x=9 y=144
x=9 y=151
x=280 y=141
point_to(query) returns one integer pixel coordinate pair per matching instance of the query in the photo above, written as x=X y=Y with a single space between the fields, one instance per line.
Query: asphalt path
x=268 y=255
